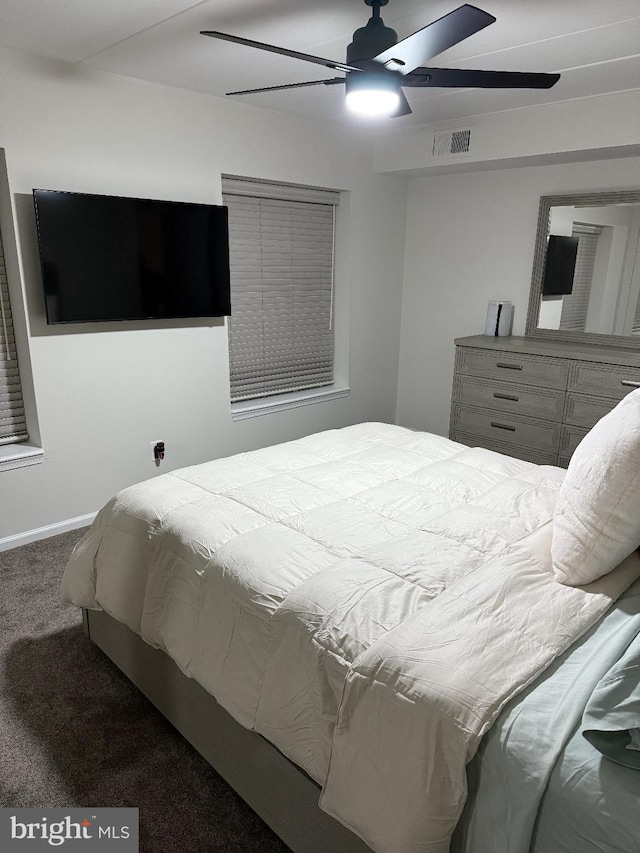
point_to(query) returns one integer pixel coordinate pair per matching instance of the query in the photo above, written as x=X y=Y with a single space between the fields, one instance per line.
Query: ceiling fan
x=378 y=66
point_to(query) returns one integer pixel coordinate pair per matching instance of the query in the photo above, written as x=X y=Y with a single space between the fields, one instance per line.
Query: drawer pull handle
x=503 y=426
x=508 y=366
x=505 y=396
x=630 y=383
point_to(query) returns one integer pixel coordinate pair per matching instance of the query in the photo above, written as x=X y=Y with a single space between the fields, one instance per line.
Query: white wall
x=103 y=395
x=470 y=238
x=583 y=129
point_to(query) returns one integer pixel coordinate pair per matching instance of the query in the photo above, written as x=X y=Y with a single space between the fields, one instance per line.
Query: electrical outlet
x=158 y=451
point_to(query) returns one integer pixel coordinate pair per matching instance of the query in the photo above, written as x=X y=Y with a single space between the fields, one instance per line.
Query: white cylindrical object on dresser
x=499 y=318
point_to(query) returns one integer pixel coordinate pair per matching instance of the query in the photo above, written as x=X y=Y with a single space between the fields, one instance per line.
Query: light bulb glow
x=373 y=102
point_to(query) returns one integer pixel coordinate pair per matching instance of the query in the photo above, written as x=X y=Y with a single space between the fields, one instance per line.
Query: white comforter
x=367 y=598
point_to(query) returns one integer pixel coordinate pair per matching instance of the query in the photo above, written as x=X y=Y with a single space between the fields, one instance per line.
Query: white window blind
x=576 y=304
x=635 y=330
x=281 y=242
x=13 y=426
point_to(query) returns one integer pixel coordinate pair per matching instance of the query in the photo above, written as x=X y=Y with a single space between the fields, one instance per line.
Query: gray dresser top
x=560 y=349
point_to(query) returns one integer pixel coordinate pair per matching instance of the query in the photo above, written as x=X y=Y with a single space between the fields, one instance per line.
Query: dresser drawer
x=539 y=457
x=508 y=428
x=513 y=367
x=586 y=411
x=509 y=397
x=570 y=438
x=603 y=380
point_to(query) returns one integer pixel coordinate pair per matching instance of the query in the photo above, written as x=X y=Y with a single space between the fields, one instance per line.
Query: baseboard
x=45 y=532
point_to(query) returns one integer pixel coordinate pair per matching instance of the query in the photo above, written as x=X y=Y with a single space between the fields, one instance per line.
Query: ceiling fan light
x=373 y=102
x=372 y=94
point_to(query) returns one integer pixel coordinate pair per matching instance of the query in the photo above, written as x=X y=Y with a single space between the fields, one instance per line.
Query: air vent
x=451 y=142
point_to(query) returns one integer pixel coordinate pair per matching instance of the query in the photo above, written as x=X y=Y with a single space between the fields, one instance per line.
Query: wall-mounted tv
x=107 y=258
x=559 y=265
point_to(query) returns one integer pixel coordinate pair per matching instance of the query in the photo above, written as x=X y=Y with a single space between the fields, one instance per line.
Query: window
x=281 y=336
x=576 y=304
x=13 y=425
x=635 y=330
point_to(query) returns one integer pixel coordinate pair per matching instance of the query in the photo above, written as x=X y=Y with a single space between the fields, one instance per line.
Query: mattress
x=368 y=599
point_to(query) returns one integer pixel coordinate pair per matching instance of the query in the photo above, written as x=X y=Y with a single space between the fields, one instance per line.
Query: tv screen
x=559 y=266
x=110 y=258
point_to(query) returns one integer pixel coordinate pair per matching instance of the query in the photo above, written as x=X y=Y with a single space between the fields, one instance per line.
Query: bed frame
x=275 y=788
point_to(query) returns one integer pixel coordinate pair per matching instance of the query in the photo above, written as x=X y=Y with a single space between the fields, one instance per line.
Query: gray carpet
x=75 y=733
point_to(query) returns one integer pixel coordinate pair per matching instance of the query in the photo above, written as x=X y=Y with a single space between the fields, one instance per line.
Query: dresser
x=532 y=398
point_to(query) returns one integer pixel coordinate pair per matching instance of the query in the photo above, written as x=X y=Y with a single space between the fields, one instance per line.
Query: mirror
x=585 y=285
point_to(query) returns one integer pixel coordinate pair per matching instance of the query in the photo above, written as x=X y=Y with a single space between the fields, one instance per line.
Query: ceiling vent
x=451 y=142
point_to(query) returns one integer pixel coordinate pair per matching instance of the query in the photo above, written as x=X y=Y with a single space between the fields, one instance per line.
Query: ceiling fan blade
x=294 y=54
x=403 y=107
x=451 y=78
x=330 y=82
x=410 y=52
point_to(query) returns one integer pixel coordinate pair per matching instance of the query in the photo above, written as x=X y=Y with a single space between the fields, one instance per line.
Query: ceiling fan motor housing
x=370 y=40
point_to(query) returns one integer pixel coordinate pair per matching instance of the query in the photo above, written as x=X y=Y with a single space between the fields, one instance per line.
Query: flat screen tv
x=559 y=265
x=107 y=258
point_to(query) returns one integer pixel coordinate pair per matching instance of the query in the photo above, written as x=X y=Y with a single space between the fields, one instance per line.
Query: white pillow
x=596 y=523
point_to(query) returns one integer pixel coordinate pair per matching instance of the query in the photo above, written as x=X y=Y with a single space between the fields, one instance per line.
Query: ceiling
x=595 y=44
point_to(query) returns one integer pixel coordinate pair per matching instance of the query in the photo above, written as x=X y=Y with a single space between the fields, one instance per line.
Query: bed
x=375 y=619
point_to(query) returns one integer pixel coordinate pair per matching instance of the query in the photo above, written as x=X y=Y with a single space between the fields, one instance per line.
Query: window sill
x=19 y=456
x=270 y=405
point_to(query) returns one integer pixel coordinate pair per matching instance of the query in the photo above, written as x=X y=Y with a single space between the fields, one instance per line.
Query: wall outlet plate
x=156 y=459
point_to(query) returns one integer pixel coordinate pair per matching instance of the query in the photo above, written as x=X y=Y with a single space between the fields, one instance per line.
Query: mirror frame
x=535 y=293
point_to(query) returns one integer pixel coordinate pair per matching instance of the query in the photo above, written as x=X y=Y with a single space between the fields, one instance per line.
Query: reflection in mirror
x=586 y=273
x=592 y=282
